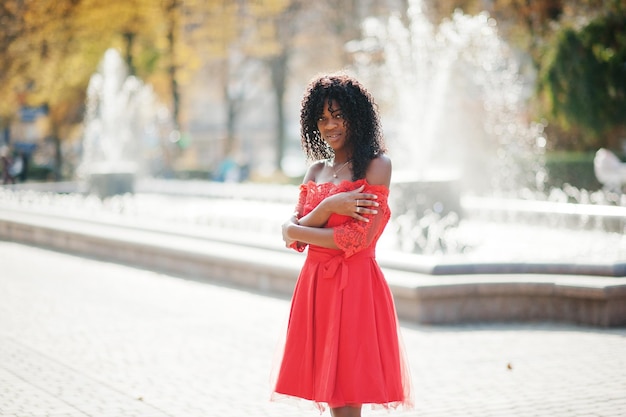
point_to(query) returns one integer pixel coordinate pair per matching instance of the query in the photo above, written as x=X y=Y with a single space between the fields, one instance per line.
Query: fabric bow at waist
x=333 y=263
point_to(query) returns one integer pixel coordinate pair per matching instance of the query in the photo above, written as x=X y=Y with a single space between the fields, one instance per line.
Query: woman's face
x=333 y=126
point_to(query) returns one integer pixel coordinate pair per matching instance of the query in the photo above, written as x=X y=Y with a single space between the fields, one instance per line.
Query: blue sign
x=24 y=147
x=29 y=114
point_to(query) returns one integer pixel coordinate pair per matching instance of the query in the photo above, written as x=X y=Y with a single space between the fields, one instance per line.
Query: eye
x=339 y=116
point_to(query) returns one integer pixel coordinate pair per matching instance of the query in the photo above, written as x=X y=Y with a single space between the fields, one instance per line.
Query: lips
x=333 y=137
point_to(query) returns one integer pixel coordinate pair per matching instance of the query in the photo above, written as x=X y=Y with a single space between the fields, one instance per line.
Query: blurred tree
x=578 y=49
x=583 y=80
x=149 y=34
x=529 y=24
x=322 y=29
x=173 y=12
x=42 y=63
x=285 y=30
x=526 y=23
x=50 y=48
x=259 y=33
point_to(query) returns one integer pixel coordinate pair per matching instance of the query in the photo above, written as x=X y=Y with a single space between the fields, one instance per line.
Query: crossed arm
x=309 y=229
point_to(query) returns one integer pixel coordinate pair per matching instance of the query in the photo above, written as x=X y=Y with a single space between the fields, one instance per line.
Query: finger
x=359 y=211
x=363 y=210
x=361 y=218
x=365 y=202
x=368 y=196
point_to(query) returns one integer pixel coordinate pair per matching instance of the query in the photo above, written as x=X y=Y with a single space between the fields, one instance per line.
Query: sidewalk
x=80 y=337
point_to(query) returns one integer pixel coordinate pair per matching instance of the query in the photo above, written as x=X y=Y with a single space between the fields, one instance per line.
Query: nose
x=329 y=123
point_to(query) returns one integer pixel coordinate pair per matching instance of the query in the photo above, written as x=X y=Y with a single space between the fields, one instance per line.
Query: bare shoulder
x=311 y=174
x=379 y=171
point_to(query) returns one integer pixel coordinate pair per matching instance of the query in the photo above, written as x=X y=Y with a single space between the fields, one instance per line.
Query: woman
x=342 y=347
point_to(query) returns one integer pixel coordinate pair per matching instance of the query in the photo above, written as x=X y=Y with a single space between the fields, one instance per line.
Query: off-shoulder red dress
x=342 y=345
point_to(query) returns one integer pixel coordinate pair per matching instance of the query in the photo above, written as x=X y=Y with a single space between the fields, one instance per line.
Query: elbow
x=292 y=230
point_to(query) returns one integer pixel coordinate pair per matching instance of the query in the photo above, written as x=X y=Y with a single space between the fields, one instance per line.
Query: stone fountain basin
x=108 y=184
x=250 y=261
x=496 y=245
x=110 y=179
x=427 y=289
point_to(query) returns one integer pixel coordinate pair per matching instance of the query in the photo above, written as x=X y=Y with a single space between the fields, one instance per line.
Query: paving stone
x=80 y=337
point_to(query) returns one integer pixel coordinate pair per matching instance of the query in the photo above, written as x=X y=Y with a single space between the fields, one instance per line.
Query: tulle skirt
x=342 y=343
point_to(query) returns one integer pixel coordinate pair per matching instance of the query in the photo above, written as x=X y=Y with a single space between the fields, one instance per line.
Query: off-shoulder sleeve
x=299 y=209
x=356 y=235
x=299 y=212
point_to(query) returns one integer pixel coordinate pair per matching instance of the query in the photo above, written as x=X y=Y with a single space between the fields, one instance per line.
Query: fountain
x=453 y=99
x=123 y=129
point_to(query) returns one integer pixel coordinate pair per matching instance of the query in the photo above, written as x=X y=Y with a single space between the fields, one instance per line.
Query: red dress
x=342 y=345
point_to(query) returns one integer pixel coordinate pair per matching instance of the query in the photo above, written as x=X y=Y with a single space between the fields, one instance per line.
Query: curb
x=420 y=298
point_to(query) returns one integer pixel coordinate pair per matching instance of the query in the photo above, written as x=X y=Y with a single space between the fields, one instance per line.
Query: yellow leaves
x=50 y=48
x=12 y=7
x=214 y=27
x=266 y=17
x=250 y=26
x=267 y=8
x=603 y=53
x=187 y=62
x=119 y=17
x=265 y=42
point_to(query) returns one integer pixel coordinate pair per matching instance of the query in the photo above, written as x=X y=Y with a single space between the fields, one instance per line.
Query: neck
x=340 y=158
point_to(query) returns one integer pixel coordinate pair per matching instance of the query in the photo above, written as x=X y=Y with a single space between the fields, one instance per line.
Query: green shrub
x=575 y=168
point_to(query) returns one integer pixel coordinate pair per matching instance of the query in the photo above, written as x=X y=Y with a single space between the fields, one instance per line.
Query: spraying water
x=124 y=128
x=452 y=100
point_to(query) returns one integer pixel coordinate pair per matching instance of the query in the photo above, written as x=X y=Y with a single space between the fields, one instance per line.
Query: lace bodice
x=350 y=235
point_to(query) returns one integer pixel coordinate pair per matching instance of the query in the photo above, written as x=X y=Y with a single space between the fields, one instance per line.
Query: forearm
x=316 y=217
x=318 y=236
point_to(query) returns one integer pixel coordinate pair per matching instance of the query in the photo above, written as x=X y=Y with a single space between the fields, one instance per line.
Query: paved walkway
x=80 y=337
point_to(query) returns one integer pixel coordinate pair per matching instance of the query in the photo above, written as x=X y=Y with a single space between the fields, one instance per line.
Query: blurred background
x=164 y=134
x=217 y=84
x=505 y=119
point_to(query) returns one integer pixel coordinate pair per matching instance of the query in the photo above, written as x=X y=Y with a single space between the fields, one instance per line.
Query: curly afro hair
x=360 y=114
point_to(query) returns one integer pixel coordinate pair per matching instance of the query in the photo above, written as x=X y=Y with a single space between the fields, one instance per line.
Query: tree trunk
x=129 y=38
x=278 y=67
x=57 y=172
x=172 y=10
x=232 y=110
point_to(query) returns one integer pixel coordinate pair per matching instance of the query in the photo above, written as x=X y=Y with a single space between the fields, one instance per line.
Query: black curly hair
x=360 y=113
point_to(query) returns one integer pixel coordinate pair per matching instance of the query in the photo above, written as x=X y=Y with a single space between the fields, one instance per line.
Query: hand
x=353 y=203
x=285 y=229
